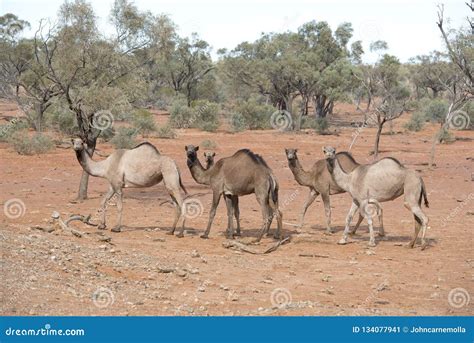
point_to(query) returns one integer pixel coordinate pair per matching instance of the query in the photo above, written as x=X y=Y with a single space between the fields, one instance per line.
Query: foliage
x=237 y=122
x=143 y=122
x=124 y=138
x=206 y=115
x=26 y=145
x=9 y=129
x=208 y=144
x=166 y=131
x=416 y=122
x=181 y=116
x=435 y=110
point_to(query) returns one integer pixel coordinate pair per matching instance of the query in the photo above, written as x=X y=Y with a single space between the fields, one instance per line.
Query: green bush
x=9 y=129
x=469 y=109
x=416 y=122
x=181 y=116
x=255 y=114
x=435 y=110
x=26 y=145
x=143 y=122
x=166 y=131
x=124 y=138
x=208 y=144
x=206 y=115
x=320 y=124
x=237 y=122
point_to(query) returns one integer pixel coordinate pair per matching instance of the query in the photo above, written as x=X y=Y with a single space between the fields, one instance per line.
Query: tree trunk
x=377 y=140
x=320 y=107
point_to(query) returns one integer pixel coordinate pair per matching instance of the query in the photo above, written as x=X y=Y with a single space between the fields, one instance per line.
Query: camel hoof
x=424 y=246
x=170 y=233
x=342 y=242
x=329 y=232
x=116 y=229
x=410 y=245
x=204 y=236
x=372 y=244
x=101 y=227
x=180 y=235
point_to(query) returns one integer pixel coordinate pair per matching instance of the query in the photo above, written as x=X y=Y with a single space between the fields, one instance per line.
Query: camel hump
x=253 y=156
x=146 y=144
x=394 y=160
x=348 y=155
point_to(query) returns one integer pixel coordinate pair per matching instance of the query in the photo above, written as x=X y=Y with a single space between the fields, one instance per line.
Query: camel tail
x=423 y=194
x=181 y=184
x=273 y=192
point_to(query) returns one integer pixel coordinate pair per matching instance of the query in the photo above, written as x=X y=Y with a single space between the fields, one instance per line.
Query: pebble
x=195 y=253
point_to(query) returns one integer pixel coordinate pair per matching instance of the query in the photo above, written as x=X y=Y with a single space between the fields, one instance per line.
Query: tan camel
x=240 y=174
x=209 y=158
x=383 y=180
x=319 y=181
x=142 y=166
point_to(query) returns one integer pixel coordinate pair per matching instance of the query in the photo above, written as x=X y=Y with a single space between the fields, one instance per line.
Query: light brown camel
x=319 y=181
x=209 y=158
x=383 y=180
x=142 y=166
x=240 y=174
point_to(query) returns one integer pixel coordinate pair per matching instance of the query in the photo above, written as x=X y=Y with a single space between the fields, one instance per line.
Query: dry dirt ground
x=143 y=271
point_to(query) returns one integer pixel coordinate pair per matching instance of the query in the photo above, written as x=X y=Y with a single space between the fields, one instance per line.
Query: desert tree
x=460 y=87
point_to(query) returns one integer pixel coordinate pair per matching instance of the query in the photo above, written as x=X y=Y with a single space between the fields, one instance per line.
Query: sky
x=408 y=26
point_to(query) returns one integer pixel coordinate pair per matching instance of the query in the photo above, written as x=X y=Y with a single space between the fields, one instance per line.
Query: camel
x=383 y=180
x=142 y=166
x=209 y=158
x=319 y=181
x=240 y=174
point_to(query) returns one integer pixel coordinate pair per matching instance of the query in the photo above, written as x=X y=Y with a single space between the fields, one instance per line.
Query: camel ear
x=286 y=151
x=296 y=150
x=185 y=148
x=197 y=148
x=213 y=154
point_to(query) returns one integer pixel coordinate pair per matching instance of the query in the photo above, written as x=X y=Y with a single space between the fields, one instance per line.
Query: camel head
x=191 y=153
x=329 y=152
x=291 y=154
x=209 y=156
x=78 y=144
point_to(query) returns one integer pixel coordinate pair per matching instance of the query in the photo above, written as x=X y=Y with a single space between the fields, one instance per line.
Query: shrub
x=256 y=115
x=166 y=131
x=416 y=122
x=124 y=138
x=181 y=116
x=435 y=110
x=143 y=121
x=469 y=109
x=237 y=122
x=26 y=145
x=206 y=115
x=321 y=125
x=7 y=130
x=208 y=144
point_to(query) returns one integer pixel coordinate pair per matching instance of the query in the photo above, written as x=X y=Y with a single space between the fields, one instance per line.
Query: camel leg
x=266 y=215
x=230 y=217
x=235 y=205
x=327 y=211
x=311 y=197
x=178 y=200
x=353 y=231
x=110 y=193
x=421 y=220
x=371 y=230
x=118 y=227
x=216 y=197
x=275 y=211
x=380 y=215
x=350 y=214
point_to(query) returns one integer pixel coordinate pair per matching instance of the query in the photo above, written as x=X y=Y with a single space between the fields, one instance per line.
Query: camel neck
x=199 y=174
x=301 y=176
x=340 y=176
x=88 y=164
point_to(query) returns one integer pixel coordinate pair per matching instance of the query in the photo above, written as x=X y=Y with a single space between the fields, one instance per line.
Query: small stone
x=181 y=273
x=201 y=289
x=225 y=288
x=55 y=215
x=195 y=253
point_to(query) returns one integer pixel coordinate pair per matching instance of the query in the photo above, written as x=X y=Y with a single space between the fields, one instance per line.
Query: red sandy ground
x=60 y=274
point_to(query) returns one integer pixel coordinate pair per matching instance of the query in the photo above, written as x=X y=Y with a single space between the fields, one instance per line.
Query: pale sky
x=408 y=26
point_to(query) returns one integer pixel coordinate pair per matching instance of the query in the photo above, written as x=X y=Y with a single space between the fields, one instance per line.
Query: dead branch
x=236 y=245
